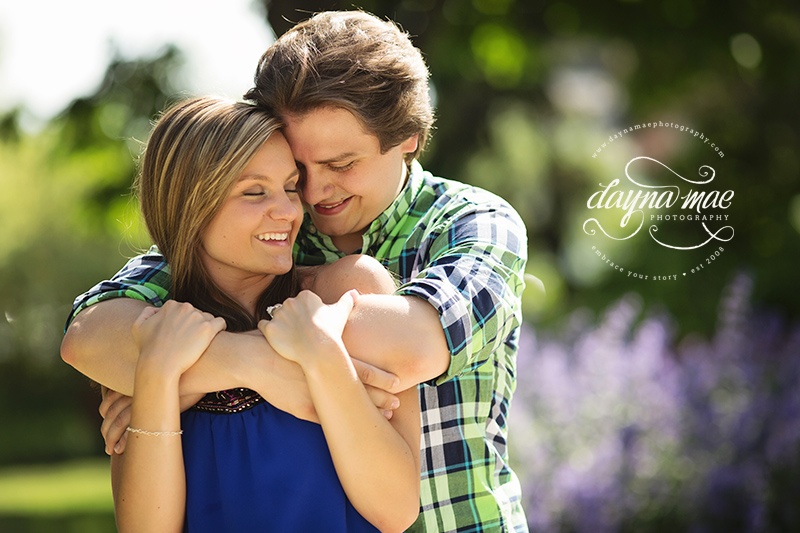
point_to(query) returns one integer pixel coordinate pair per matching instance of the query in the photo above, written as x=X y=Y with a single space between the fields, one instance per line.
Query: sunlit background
x=667 y=406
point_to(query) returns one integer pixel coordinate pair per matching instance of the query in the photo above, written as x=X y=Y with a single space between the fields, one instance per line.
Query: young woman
x=219 y=194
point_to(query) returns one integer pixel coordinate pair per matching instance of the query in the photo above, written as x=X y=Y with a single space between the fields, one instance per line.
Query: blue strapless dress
x=251 y=467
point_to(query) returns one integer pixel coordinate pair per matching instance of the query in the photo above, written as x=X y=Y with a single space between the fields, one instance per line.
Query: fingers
x=119 y=447
x=374 y=376
x=178 y=327
x=383 y=400
x=110 y=397
x=172 y=307
x=146 y=313
x=217 y=323
x=116 y=412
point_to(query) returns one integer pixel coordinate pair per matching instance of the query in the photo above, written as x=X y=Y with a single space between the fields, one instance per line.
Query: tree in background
x=526 y=91
x=67 y=220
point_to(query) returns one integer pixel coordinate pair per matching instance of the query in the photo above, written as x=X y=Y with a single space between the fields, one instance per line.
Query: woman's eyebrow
x=255 y=176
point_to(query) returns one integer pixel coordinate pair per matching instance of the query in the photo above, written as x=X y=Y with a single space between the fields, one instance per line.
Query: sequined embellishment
x=229 y=401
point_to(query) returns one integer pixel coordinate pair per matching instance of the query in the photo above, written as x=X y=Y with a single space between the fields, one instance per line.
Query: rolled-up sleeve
x=145 y=277
x=474 y=276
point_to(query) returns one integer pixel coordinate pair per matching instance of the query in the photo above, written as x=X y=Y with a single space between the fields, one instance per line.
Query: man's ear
x=410 y=145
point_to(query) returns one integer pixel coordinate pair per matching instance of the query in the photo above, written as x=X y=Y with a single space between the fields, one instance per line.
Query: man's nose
x=316 y=187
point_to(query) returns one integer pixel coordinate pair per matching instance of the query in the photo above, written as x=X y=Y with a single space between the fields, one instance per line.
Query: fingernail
x=117 y=449
x=387 y=414
x=395 y=404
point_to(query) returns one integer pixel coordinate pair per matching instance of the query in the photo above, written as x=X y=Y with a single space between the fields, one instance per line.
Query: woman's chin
x=281 y=267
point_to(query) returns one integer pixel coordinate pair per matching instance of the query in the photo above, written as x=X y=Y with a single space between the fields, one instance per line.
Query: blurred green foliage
x=525 y=92
x=67 y=220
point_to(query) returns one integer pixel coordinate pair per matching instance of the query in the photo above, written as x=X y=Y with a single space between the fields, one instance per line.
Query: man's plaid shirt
x=464 y=251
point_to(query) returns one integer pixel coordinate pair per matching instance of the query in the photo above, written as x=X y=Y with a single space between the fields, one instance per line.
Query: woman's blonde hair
x=196 y=152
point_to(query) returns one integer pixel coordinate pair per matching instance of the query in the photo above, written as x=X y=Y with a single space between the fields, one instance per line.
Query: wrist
x=255 y=361
x=154 y=376
x=156 y=405
x=328 y=360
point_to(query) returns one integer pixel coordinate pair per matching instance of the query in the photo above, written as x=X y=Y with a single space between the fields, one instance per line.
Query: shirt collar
x=383 y=225
x=378 y=230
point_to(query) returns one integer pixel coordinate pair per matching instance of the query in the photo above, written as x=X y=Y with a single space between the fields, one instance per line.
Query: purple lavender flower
x=615 y=425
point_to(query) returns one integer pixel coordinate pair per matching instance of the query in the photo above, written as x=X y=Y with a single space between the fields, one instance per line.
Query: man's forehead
x=327 y=116
x=326 y=135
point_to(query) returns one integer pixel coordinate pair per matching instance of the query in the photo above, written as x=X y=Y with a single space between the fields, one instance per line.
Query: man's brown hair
x=354 y=61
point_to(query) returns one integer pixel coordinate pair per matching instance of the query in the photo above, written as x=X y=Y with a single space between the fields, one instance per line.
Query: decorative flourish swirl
x=590 y=231
x=712 y=236
x=703 y=171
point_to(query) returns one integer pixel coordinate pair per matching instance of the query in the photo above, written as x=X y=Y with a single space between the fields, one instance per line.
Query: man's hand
x=374 y=378
x=116 y=412
x=381 y=386
x=116 y=408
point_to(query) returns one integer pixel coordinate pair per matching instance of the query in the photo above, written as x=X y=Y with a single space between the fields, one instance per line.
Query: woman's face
x=250 y=239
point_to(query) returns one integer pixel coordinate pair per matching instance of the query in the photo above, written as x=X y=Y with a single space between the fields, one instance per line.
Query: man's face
x=347 y=181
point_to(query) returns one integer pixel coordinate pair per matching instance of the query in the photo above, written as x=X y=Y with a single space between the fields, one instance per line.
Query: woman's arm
x=99 y=344
x=377 y=460
x=148 y=481
x=232 y=359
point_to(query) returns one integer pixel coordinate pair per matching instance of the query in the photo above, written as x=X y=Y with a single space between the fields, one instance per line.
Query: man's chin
x=325 y=226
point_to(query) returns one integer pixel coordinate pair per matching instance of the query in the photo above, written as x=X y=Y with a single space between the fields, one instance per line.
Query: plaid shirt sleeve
x=475 y=280
x=145 y=277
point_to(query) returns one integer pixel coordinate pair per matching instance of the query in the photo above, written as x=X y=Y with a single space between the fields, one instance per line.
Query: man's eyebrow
x=338 y=158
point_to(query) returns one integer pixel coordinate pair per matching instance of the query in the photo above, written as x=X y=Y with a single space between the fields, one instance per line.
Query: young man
x=352 y=92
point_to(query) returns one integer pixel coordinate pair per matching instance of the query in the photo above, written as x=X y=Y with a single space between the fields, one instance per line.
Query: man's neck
x=348 y=243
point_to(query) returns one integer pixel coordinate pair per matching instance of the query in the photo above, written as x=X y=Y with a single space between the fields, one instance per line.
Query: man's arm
x=399 y=334
x=99 y=344
x=459 y=309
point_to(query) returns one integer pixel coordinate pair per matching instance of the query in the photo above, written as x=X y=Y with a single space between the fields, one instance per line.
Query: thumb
x=347 y=301
x=146 y=313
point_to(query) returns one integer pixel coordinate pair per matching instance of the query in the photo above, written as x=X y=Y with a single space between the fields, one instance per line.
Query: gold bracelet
x=154 y=433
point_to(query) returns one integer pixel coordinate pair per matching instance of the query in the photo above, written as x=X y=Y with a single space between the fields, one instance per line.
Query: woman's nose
x=286 y=207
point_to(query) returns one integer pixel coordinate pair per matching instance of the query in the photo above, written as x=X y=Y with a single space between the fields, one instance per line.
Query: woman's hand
x=305 y=328
x=175 y=335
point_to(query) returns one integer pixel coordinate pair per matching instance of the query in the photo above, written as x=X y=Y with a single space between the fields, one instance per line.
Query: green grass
x=77 y=487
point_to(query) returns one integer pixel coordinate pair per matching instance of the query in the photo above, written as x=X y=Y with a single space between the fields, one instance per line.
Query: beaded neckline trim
x=229 y=401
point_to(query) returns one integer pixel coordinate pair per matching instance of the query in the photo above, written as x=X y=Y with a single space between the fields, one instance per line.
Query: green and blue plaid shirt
x=464 y=251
